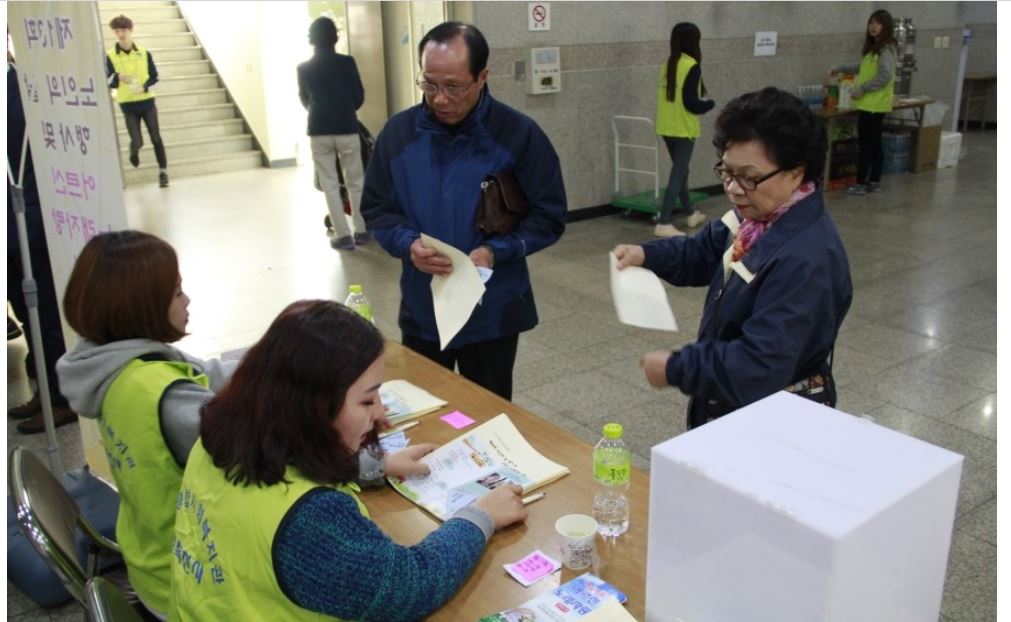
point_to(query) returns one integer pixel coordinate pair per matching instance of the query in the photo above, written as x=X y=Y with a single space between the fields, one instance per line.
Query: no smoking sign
x=539 y=15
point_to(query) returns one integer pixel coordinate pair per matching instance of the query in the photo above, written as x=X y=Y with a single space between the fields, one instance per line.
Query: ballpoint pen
x=535 y=497
x=406 y=426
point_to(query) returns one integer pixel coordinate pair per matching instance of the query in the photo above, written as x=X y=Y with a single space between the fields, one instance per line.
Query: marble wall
x=611 y=53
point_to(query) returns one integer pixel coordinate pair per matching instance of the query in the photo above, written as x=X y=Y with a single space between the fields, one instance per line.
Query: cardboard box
x=951 y=149
x=789 y=511
x=926 y=148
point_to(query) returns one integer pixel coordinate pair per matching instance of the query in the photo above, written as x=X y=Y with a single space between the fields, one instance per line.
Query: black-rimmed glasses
x=746 y=183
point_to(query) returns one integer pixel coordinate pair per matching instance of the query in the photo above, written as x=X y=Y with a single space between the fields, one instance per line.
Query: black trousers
x=150 y=117
x=489 y=363
x=872 y=153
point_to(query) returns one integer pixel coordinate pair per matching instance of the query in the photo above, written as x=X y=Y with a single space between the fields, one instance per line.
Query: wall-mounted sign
x=765 y=43
x=539 y=15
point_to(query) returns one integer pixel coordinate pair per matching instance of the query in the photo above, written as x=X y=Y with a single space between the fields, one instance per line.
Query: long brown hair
x=684 y=39
x=887 y=37
x=280 y=405
x=121 y=287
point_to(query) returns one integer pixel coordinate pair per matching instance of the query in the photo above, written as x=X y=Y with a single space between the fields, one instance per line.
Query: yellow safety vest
x=672 y=118
x=134 y=64
x=145 y=471
x=222 y=566
x=881 y=99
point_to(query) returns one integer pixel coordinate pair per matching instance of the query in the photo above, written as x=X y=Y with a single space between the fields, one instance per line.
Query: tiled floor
x=918 y=351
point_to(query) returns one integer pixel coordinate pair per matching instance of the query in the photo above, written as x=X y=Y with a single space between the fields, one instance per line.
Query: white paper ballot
x=639 y=298
x=456 y=295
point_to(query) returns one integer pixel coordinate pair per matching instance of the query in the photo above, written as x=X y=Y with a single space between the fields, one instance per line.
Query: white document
x=639 y=298
x=456 y=295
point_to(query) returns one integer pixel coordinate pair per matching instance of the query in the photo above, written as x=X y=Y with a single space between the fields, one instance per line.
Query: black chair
x=106 y=603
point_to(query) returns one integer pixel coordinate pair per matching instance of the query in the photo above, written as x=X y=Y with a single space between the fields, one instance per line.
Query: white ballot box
x=787 y=510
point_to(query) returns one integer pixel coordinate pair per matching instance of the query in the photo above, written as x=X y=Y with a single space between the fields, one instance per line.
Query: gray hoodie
x=87 y=371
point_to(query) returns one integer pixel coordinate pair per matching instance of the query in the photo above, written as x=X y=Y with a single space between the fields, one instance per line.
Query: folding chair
x=105 y=603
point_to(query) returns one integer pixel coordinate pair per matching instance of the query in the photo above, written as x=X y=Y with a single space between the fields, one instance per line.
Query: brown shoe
x=28 y=409
x=62 y=415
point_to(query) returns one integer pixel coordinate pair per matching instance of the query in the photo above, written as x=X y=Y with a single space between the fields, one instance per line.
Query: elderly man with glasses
x=425 y=176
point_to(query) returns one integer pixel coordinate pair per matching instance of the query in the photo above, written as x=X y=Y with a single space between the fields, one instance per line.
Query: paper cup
x=575 y=540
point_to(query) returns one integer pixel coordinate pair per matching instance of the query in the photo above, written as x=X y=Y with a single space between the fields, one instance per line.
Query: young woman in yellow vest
x=269 y=525
x=678 y=106
x=125 y=299
x=872 y=96
x=131 y=72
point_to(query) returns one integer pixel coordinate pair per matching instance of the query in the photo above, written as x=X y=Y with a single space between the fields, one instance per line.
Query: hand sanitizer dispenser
x=545 y=71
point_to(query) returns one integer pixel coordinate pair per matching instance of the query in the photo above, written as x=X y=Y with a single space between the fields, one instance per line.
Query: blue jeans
x=680 y=150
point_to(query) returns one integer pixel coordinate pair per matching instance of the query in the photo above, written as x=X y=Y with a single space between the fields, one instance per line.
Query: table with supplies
x=621 y=561
x=832 y=116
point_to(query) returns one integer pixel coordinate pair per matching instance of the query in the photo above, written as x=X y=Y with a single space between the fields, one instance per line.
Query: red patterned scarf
x=751 y=231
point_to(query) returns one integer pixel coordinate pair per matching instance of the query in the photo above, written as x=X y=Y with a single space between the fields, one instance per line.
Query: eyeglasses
x=451 y=91
x=746 y=183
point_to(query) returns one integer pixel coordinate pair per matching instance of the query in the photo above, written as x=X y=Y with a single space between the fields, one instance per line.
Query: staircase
x=202 y=130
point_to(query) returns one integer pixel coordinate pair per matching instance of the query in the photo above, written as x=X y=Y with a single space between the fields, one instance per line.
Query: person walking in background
x=678 y=106
x=51 y=327
x=425 y=176
x=131 y=72
x=331 y=91
x=872 y=96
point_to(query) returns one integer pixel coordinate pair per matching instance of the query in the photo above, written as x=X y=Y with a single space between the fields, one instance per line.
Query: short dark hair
x=121 y=287
x=477 y=45
x=121 y=21
x=280 y=405
x=323 y=32
x=791 y=134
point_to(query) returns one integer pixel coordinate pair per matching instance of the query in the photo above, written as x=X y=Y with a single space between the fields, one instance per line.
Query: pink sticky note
x=457 y=419
x=532 y=567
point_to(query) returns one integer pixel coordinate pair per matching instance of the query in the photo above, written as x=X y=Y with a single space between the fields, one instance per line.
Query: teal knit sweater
x=330 y=559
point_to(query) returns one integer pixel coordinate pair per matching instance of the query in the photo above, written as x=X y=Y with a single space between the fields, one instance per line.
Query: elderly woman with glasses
x=778 y=275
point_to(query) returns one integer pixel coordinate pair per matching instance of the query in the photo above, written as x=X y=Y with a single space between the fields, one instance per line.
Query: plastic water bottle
x=612 y=469
x=359 y=303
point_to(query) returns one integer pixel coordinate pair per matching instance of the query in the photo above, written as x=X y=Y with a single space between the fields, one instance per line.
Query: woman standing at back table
x=678 y=106
x=872 y=96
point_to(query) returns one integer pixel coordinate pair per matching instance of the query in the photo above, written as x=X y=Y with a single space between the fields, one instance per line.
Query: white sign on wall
x=539 y=15
x=765 y=43
x=72 y=135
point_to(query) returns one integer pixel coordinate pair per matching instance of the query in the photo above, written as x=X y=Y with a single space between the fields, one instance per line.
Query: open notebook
x=405 y=401
x=465 y=469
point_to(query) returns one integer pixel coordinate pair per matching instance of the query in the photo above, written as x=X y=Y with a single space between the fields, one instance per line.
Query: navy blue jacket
x=425 y=177
x=330 y=88
x=756 y=339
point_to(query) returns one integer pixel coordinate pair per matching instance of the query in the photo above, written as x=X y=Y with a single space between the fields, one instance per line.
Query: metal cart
x=648 y=201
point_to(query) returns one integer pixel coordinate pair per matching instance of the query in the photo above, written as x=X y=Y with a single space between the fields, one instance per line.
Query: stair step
x=183 y=67
x=189 y=99
x=186 y=115
x=151 y=42
x=140 y=14
x=147 y=172
x=167 y=55
x=191 y=148
x=191 y=131
x=151 y=27
x=181 y=84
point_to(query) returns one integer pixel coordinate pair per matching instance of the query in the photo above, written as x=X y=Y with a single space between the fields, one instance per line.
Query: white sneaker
x=667 y=231
x=695 y=219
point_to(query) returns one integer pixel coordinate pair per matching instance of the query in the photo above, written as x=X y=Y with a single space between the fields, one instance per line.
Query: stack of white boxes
x=787 y=511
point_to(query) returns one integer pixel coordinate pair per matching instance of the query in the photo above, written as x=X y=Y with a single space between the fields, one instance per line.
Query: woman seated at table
x=125 y=299
x=268 y=522
x=779 y=280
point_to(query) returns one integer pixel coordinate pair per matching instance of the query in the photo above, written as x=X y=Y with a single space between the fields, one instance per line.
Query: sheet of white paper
x=456 y=295
x=639 y=298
